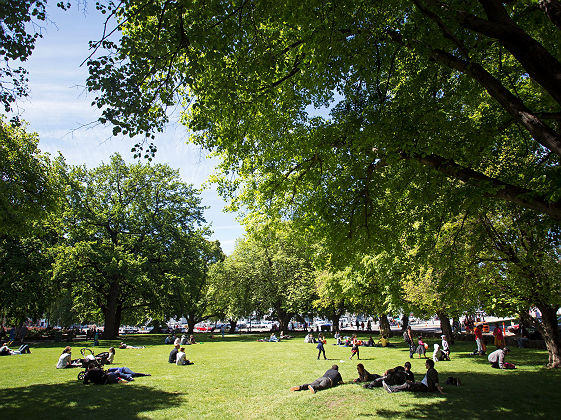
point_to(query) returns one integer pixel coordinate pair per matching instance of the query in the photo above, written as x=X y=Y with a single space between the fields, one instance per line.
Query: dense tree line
x=416 y=142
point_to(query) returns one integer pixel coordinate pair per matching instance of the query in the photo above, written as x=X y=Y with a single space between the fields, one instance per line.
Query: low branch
x=498 y=189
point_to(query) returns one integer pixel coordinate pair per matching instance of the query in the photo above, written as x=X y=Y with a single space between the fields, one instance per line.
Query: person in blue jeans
x=329 y=379
x=126 y=373
x=320 y=347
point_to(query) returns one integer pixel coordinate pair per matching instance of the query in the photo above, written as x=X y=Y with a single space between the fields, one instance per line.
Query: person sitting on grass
x=497 y=359
x=173 y=354
x=128 y=346
x=384 y=342
x=65 y=359
x=192 y=339
x=437 y=353
x=329 y=379
x=364 y=375
x=428 y=384
x=396 y=376
x=111 y=355
x=283 y=336
x=181 y=359
x=6 y=351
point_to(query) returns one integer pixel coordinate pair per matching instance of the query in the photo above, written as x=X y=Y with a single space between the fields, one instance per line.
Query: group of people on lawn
x=396 y=379
x=399 y=378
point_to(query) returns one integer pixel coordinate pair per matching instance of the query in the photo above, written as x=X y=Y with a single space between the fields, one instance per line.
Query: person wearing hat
x=329 y=379
x=497 y=358
x=445 y=348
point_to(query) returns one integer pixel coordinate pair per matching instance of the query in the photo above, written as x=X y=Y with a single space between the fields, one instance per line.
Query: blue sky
x=58 y=106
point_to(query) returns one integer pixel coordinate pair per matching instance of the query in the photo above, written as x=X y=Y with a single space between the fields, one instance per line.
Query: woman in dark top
x=364 y=375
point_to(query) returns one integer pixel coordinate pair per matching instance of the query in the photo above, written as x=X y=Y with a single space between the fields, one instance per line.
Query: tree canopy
x=414 y=88
x=127 y=228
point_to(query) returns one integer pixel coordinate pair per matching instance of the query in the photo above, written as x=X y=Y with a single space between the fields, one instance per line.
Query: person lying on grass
x=98 y=376
x=396 y=376
x=126 y=373
x=128 y=346
x=329 y=379
x=6 y=351
x=428 y=384
x=120 y=375
x=364 y=375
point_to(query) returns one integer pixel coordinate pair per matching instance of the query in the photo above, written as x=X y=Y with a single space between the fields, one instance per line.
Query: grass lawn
x=239 y=378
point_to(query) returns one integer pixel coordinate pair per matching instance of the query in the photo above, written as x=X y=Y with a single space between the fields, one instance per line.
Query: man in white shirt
x=497 y=358
x=182 y=358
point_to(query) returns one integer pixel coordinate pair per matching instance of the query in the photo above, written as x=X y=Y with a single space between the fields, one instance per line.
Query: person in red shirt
x=499 y=338
x=479 y=340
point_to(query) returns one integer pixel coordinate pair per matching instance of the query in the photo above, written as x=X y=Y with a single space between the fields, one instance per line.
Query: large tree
x=434 y=107
x=455 y=87
x=28 y=181
x=119 y=224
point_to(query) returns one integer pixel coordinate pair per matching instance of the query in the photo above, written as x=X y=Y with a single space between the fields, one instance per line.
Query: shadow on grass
x=518 y=394
x=73 y=400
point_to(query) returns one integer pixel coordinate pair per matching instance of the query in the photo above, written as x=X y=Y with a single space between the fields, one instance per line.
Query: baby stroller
x=90 y=359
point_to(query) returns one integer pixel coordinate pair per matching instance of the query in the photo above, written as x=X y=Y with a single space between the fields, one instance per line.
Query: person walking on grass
x=329 y=379
x=354 y=349
x=408 y=338
x=320 y=347
x=478 y=332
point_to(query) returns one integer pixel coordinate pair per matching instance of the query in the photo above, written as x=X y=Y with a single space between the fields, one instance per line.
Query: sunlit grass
x=240 y=378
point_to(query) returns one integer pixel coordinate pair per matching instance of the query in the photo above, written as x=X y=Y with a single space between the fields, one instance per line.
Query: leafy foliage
x=130 y=230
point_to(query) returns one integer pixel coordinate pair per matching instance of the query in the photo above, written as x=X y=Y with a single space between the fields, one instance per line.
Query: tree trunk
x=118 y=318
x=385 y=326
x=156 y=327
x=284 y=320
x=404 y=322
x=445 y=327
x=110 y=311
x=233 y=323
x=191 y=321
x=550 y=332
x=335 y=318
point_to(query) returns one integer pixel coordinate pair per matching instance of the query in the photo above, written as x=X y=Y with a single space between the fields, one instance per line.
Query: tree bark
x=404 y=322
x=191 y=321
x=335 y=318
x=233 y=323
x=445 y=327
x=385 y=326
x=552 y=9
x=284 y=320
x=550 y=332
x=110 y=311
